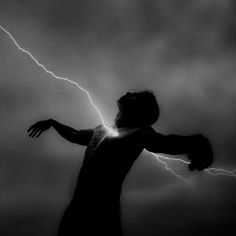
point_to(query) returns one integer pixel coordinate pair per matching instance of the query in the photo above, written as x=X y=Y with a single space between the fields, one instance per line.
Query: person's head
x=137 y=109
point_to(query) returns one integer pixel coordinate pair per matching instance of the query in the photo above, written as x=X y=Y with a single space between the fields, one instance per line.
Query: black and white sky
x=183 y=50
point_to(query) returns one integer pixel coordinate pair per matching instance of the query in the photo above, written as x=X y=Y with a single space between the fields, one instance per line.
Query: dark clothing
x=95 y=206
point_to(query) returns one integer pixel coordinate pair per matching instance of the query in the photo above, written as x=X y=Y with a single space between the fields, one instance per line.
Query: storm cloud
x=183 y=50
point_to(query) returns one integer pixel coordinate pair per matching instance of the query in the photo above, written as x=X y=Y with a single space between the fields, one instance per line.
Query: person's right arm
x=81 y=137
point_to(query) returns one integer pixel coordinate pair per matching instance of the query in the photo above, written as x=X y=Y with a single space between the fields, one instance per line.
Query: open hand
x=36 y=129
x=201 y=154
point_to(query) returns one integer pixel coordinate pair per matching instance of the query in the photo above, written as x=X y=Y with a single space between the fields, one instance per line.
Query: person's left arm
x=197 y=147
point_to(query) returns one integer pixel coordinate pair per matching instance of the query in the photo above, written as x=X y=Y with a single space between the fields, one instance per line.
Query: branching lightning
x=210 y=171
x=159 y=157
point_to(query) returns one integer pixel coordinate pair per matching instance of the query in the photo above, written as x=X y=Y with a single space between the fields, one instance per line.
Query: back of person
x=96 y=199
x=109 y=158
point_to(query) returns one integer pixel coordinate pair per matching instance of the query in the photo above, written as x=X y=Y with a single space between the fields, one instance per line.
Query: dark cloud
x=183 y=50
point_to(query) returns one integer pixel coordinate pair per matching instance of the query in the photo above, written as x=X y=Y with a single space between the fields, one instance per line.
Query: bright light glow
x=112 y=132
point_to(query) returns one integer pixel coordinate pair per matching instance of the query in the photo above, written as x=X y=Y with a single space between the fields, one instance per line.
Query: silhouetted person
x=95 y=206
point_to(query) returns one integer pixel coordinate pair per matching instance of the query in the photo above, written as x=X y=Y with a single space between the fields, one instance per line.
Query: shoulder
x=148 y=133
x=99 y=130
x=99 y=127
x=150 y=137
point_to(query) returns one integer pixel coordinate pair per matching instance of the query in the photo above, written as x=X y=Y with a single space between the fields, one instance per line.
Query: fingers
x=202 y=157
x=30 y=131
x=200 y=163
x=36 y=129
x=33 y=127
x=39 y=133
x=30 y=128
x=34 y=132
x=191 y=167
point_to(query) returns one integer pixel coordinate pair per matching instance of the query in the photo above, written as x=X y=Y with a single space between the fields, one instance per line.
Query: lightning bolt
x=53 y=75
x=219 y=171
x=159 y=158
x=210 y=171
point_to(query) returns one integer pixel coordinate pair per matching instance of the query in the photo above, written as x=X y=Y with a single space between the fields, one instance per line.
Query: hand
x=36 y=129
x=201 y=154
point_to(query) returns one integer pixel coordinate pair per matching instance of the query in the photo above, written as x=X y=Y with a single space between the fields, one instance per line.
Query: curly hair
x=141 y=108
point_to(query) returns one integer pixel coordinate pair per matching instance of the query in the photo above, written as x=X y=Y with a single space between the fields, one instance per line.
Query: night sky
x=183 y=50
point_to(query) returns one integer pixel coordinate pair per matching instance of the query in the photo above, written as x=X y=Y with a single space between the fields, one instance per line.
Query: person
x=95 y=205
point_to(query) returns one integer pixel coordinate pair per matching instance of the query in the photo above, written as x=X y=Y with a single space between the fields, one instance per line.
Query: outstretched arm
x=197 y=147
x=81 y=137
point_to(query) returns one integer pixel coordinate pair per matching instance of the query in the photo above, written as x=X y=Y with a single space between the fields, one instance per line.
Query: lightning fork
x=211 y=171
x=159 y=157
